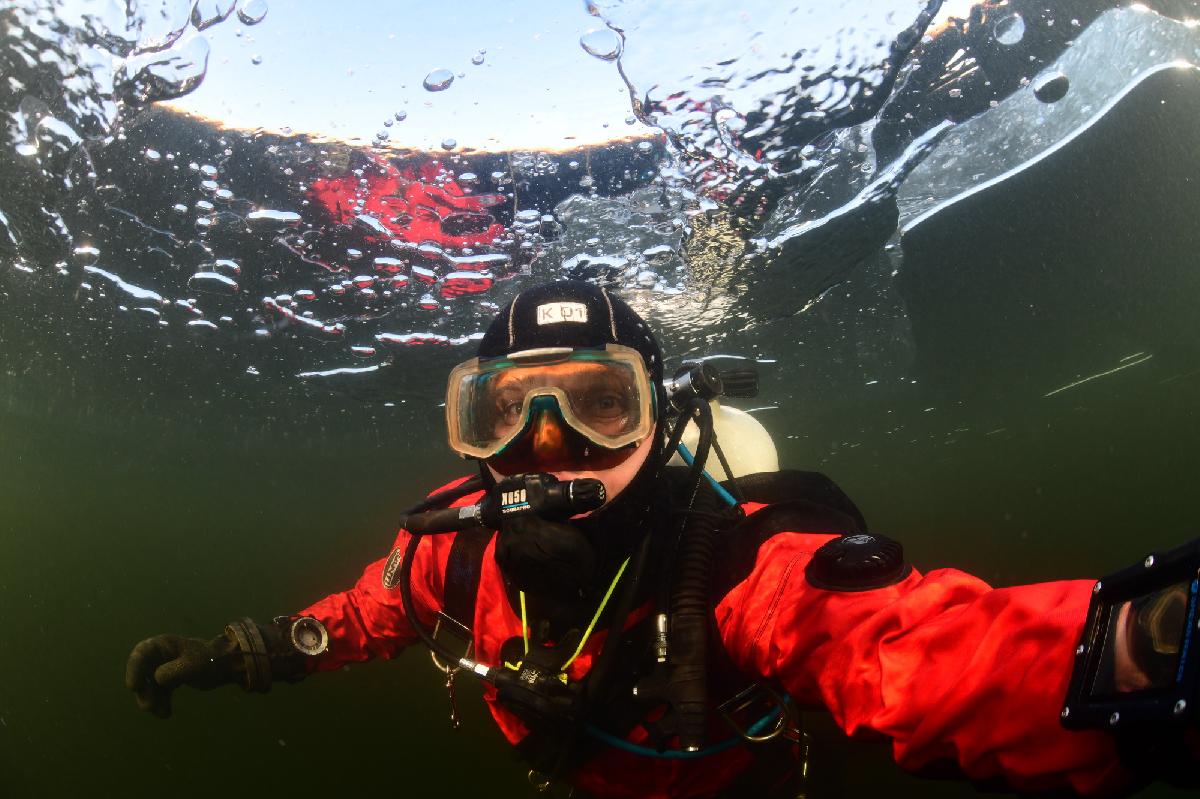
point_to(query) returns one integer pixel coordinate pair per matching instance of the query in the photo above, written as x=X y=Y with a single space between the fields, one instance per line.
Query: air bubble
x=388 y=265
x=86 y=256
x=1051 y=88
x=207 y=13
x=438 y=80
x=401 y=116
x=212 y=283
x=603 y=43
x=449 y=144
x=153 y=156
x=1010 y=30
x=255 y=60
x=252 y=12
x=477 y=59
x=458 y=284
x=269 y=216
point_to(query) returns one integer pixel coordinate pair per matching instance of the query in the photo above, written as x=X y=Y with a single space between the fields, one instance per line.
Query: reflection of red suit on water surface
x=420 y=204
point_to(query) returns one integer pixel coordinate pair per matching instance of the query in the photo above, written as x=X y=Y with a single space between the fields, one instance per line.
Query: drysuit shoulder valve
x=859 y=562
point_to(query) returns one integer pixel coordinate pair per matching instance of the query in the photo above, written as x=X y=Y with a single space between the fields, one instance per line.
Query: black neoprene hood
x=570 y=313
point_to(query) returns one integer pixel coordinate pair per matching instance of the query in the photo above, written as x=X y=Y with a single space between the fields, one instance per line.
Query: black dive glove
x=248 y=654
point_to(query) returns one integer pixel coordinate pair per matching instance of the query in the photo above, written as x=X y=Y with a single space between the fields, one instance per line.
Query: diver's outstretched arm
x=249 y=654
x=943 y=664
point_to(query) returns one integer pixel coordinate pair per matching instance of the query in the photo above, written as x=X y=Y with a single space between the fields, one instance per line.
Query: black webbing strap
x=463 y=567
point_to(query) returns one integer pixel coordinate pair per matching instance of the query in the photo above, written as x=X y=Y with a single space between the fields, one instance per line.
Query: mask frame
x=466 y=375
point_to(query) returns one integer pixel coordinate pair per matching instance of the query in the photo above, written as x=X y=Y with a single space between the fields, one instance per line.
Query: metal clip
x=461 y=632
x=786 y=725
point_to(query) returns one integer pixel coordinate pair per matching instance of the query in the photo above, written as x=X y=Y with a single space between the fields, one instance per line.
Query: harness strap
x=463 y=568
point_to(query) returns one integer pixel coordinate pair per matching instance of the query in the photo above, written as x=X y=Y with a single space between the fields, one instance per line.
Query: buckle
x=759 y=714
x=457 y=629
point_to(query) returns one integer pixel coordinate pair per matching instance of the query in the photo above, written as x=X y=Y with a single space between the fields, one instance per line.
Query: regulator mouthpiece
x=537 y=494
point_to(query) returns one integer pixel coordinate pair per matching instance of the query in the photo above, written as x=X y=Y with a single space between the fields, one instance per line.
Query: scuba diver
x=645 y=630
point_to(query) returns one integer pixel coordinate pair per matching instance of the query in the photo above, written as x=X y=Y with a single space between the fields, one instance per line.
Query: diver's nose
x=548 y=435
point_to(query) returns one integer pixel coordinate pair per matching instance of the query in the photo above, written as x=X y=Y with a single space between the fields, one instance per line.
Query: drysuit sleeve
x=367 y=621
x=947 y=667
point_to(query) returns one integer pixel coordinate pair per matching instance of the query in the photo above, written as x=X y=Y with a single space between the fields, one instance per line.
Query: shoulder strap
x=788 y=485
x=463 y=567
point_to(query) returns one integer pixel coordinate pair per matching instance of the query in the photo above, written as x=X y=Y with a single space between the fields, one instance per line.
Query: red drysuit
x=943 y=664
x=412 y=205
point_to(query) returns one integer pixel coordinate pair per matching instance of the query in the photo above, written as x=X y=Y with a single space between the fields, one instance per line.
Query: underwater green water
x=130 y=506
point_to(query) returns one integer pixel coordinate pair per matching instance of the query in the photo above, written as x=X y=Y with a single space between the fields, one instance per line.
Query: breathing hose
x=694 y=407
x=691 y=606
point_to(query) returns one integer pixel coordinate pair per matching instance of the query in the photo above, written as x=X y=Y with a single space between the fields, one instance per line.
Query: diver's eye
x=605 y=406
x=510 y=412
x=507 y=406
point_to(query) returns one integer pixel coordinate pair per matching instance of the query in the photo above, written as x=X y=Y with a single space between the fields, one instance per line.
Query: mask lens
x=550 y=445
x=603 y=396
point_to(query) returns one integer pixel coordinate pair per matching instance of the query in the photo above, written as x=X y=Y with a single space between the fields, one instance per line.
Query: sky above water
x=340 y=70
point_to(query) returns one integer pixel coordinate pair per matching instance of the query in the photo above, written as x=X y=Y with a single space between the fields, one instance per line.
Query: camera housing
x=1138 y=660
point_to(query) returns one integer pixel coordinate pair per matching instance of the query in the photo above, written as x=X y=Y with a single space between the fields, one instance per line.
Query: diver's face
x=616 y=479
x=602 y=398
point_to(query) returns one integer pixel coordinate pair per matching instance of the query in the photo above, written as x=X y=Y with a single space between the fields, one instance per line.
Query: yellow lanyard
x=586 y=633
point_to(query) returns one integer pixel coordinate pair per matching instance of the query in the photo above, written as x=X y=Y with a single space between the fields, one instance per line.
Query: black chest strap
x=463 y=568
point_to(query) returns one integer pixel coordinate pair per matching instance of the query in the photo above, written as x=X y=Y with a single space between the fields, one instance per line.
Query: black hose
x=663 y=601
x=676 y=436
x=734 y=488
x=691 y=604
x=468 y=486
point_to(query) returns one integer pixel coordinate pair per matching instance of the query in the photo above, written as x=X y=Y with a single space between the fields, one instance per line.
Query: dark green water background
x=133 y=503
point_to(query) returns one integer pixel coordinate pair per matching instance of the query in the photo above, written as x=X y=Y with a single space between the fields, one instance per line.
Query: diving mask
x=596 y=404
